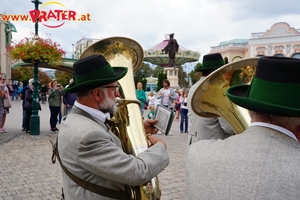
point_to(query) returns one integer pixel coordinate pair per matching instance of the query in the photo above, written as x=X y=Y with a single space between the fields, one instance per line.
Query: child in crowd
x=151 y=99
x=151 y=114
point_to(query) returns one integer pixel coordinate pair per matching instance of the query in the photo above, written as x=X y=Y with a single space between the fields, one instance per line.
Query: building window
x=237 y=58
x=279 y=55
x=296 y=55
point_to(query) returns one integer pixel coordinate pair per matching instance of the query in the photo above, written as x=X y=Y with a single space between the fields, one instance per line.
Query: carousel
x=157 y=56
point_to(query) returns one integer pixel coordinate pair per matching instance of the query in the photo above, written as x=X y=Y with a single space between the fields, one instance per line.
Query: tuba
x=127 y=121
x=209 y=99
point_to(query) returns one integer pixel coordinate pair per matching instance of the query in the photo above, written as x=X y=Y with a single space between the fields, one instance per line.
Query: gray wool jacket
x=89 y=150
x=258 y=164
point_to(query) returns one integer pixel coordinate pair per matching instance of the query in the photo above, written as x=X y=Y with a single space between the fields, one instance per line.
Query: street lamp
x=35 y=118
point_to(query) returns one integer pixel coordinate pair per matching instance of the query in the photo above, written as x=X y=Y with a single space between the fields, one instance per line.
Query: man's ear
x=97 y=93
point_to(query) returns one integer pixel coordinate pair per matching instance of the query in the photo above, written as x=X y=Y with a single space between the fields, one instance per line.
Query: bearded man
x=87 y=147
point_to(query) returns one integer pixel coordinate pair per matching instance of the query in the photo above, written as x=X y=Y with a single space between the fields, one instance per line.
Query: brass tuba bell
x=209 y=99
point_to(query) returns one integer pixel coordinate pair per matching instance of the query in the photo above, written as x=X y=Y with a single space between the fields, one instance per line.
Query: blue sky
x=197 y=24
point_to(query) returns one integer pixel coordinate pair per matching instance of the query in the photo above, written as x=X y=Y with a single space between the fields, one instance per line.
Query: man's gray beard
x=108 y=106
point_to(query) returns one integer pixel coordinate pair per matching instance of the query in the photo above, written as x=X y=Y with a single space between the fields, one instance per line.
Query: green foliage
x=23 y=74
x=157 y=70
x=145 y=70
x=161 y=76
x=144 y=82
x=63 y=78
x=36 y=49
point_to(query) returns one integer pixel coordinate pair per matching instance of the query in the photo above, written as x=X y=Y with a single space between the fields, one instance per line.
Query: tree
x=43 y=78
x=62 y=77
x=161 y=76
x=144 y=82
x=182 y=81
x=144 y=71
x=23 y=74
x=195 y=76
x=157 y=70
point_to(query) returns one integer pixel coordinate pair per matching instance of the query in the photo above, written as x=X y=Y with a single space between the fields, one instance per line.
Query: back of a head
x=30 y=81
x=210 y=63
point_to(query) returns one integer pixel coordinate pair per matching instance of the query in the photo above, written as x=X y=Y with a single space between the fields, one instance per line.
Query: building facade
x=280 y=40
x=6 y=29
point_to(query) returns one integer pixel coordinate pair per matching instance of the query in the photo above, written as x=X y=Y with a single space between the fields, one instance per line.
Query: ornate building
x=280 y=40
x=6 y=29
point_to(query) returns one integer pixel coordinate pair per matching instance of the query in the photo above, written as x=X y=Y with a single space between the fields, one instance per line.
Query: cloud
x=197 y=25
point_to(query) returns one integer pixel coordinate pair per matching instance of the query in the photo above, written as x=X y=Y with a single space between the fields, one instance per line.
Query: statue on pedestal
x=171 y=49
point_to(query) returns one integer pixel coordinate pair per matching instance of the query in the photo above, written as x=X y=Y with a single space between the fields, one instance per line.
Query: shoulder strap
x=87 y=185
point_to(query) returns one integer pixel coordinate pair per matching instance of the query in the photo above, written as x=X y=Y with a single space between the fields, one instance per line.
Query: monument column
x=172 y=74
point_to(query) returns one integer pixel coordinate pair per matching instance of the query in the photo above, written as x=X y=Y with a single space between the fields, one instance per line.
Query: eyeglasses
x=111 y=86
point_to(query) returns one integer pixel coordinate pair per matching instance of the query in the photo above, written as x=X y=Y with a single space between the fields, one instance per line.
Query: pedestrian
x=262 y=162
x=151 y=113
x=151 y=99
x=28 y=106
x=22 y=96
x=87 y=147
x=177 y=105
x=69 y=99
x=43 y=92
x=141 y=96
x=3 y=110
x=201 y=128
x=184 y=120
x=20 y=87
x=10 y=87
x=166 y=95
x=15 y=84
x=55 y=100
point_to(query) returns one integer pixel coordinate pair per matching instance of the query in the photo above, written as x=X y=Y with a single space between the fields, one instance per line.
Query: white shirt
x=151 y=100
x=182 y=101
x=165 y=100
x=275 y=127
x=93 y=112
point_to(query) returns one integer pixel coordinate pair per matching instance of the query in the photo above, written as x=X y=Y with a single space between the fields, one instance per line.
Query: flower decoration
x=33 y=50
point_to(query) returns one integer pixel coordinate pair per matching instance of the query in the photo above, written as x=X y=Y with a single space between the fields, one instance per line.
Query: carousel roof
x=156 y=56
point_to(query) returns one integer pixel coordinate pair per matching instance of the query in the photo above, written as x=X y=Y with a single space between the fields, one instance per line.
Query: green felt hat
x=94 y=71
x=211 y=62
x=275 y=88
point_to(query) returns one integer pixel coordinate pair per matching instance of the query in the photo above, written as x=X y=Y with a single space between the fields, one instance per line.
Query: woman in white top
x=183 y=112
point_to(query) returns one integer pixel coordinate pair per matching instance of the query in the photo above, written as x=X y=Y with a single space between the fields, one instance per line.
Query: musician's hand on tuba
x=153 y=140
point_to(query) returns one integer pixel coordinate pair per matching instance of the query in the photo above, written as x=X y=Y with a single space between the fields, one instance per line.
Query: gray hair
x=30 y=81
x=290 y=123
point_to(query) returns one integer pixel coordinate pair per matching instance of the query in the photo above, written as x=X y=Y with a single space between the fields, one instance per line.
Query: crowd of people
x=259 y=163
x=14 y=90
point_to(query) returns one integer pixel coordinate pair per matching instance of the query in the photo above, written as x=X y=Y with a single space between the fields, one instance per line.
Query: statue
x=171 y=48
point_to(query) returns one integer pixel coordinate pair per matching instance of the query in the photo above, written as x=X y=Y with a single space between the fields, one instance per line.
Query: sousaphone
x=210 y=101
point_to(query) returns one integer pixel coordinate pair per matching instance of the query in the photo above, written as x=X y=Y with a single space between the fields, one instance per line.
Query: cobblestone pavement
x=27 y=173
